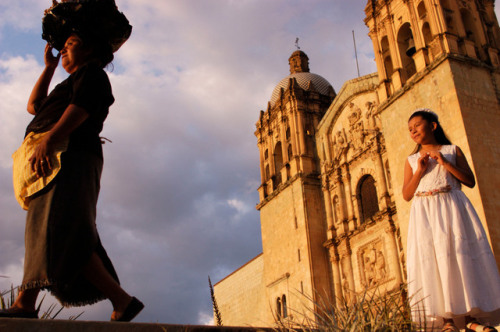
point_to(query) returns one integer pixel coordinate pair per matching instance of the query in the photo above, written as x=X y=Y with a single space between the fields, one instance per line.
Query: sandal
x=479 y=327
x=132 y=310
x=449 y=327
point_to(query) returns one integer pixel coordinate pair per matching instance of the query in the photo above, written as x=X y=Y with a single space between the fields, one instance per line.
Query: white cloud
x=205 y=318
x=238 y=205
x=22 y=14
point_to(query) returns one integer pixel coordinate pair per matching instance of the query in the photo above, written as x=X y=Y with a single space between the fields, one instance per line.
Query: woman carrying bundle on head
x=63 y=251
x=451 y=269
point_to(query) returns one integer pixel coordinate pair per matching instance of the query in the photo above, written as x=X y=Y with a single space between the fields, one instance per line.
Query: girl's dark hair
x=430 y=117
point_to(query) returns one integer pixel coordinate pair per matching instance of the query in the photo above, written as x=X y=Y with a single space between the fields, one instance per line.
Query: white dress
x=451 y=268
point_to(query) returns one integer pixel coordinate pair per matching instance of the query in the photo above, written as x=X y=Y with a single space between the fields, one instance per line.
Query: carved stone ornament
x=339 y=144
x=346 y=289
x=373 y=264
x=465 y=4
x=336 y=210
x=371 y=116
x=357 y=135
x=355 y=114
x=324 y=183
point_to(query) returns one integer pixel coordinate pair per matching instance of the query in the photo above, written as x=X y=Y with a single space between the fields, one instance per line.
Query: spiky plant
x=218 y=316
x=368 y=311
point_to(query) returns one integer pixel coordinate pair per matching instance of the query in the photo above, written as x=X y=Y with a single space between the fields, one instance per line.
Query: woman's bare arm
x=41 y=88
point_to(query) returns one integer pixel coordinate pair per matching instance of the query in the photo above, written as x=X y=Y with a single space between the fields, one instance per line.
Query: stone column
x=347 y=272
x=342 y=205
x=302 y=136
x=394 y=254
x=337 y=282
x=328 y=206
x=326 y=145
x=284 y=143
x=378 y=57
x=379 y=166
x=294 y=132
x=262 y=170
x=346 y=179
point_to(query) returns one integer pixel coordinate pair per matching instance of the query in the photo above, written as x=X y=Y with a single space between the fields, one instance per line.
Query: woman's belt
x=434 y=191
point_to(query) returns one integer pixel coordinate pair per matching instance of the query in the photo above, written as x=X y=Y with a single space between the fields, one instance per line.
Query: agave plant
x=368 y=311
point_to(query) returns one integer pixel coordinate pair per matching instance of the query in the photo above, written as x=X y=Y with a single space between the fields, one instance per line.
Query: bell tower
x=285 y=132
x=410 y=35
x=444 y=55
x=291 y=203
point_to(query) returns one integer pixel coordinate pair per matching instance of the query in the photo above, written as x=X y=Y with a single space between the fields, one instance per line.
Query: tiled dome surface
x=321 y=84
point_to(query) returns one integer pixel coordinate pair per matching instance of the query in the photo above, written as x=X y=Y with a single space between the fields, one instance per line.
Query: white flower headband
x=428 y=110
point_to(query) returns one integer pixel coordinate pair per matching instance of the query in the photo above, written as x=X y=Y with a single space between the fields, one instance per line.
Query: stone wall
x=241 y=297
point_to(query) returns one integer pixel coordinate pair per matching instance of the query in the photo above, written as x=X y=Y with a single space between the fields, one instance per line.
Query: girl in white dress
x=451 y=269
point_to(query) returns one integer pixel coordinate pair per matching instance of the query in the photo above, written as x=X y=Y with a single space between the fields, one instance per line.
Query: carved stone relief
x=372 y=264
x=346 y=288
x=336 y=209
x=356 y=131
x=465 y=4
x=371 y=116
x=339 y=144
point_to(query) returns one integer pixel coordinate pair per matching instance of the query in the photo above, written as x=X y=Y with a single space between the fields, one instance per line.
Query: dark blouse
x=88 y=88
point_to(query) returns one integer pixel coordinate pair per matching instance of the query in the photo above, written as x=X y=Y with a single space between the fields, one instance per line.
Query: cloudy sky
x=180 y=180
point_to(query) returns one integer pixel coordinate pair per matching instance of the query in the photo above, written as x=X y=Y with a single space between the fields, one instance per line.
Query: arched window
x=471 y=31
x=287 y=133
x=468 y=20
x=290 y=152
x=278 y=308
x=469 y=25
x=268 y=174
x=426 y=31
x=386 y=55
x=421 y=9
x=278 y=162
x=405 y=43
x=367 y=198
x=448 y=17
x=284 y=310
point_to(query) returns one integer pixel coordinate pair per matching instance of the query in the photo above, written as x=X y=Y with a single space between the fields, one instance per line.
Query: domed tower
x=443 y=55
x=285 y=131
x=291 y=203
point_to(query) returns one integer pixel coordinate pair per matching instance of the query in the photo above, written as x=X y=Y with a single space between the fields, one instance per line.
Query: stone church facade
x=333 y=219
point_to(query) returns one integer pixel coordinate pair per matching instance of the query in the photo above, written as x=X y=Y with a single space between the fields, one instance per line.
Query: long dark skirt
x=61 y=233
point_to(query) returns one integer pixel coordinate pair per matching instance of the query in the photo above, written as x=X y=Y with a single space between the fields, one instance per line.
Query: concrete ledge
x=42 y=325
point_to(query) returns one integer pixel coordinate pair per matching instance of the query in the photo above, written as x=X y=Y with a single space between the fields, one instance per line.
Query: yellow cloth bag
x=26 y=181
